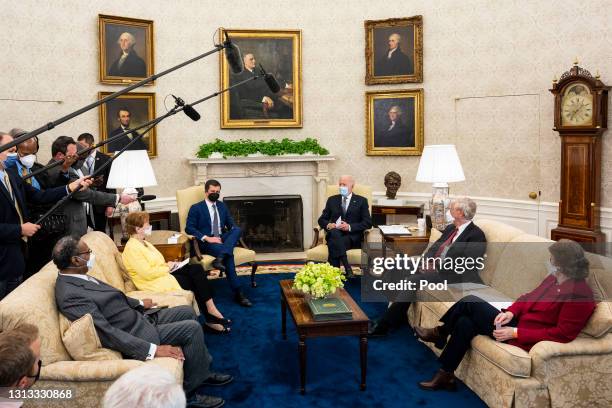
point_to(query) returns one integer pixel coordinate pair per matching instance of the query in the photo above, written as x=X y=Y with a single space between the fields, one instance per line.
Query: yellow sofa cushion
x=82 y=342
x=513 y=360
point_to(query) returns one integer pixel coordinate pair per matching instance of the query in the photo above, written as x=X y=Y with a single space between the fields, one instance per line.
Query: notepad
x=394 y=229
x=179 y=265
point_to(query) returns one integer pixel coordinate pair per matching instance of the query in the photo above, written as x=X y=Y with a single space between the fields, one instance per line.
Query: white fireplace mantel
x=306 y=175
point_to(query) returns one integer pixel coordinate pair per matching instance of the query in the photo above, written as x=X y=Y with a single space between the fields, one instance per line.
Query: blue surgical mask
x=344 y=191
x=11 y=160
x=91 y=262
x=449 y=218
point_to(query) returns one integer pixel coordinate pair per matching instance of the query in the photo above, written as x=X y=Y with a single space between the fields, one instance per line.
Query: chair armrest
x=315 y=237
x=196 y=247
x=366 y=233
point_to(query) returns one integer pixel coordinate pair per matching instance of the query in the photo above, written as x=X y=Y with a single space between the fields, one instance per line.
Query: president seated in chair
x=135 y=328
x=210 y=222
x=345 y=217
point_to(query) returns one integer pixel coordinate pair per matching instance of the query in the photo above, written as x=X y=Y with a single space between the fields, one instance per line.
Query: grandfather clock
x=581 y=111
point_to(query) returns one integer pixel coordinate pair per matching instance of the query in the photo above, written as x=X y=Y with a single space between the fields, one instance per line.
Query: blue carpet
x=266 y=367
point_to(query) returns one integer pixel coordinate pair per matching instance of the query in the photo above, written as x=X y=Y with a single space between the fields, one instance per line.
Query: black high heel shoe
x=208 y=329
x=214 y=319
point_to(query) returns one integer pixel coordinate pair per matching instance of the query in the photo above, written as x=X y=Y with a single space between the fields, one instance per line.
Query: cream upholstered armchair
x=318 y=250
x=243 y=255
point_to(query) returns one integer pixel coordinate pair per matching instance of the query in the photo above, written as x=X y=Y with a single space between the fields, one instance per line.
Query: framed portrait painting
x=252 y=104
x=394 y=123
x=128 y=112
x=126 y=49
x=394 y=51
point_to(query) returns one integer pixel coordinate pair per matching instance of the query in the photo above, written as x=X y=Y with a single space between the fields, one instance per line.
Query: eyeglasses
x=89 y=251
x=37 y=375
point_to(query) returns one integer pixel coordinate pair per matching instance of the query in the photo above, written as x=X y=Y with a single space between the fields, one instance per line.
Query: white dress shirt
x=211 y=212
x=461 y=228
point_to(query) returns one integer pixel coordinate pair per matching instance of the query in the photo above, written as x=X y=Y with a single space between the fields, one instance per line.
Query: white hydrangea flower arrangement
x=318 y=280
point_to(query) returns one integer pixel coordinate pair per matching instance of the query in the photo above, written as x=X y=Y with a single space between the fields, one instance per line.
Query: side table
x=159 y=239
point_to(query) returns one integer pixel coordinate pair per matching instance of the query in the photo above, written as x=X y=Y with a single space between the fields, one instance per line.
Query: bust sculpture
x=393 y=181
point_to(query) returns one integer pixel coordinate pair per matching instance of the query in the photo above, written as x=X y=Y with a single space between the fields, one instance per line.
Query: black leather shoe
x=218 y=264
x=378 y=330
x=217 y=379
x=242 y=300
x=348 y=272
x=205 y=401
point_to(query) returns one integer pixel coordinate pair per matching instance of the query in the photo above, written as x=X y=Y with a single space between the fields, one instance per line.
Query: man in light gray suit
x=135 y=328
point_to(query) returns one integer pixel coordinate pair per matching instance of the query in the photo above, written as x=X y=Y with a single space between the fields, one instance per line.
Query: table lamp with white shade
x=131 y=170
x=439 y=165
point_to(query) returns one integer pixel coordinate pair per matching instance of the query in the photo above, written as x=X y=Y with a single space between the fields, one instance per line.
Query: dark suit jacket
x=133 y=66
x=357 y=216
x=76 y=215
x=398 y=64
x=117 y=145
x=246 y=100
x=118 y=319
x=400 y=136
x=11 y=258
x=472 y=243
x=99 y=161
x=199 y=222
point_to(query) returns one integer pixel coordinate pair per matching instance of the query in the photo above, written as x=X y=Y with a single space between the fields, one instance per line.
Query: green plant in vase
x=318 y=280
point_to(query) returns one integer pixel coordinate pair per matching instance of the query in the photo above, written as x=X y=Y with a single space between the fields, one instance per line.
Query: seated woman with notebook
x=557 y=310
x=150 y=271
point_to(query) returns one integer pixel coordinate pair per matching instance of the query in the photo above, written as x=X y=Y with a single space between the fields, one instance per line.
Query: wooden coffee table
x=307 y=327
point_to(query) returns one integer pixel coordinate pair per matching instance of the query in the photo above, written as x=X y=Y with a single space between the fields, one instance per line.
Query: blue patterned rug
x=266 y=367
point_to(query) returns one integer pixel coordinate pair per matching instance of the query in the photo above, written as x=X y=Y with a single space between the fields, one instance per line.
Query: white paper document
x=179 y=265
x=394 y=229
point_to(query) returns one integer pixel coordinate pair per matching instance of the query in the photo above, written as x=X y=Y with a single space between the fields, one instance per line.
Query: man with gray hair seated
x=460 y=239
x=148 y=386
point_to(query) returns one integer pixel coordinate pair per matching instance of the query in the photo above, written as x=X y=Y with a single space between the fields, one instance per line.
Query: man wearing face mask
x=345 y=217
x=14 y=226
x=78 y=208
x=217 y=235
x=460 y=239
x=134 y=327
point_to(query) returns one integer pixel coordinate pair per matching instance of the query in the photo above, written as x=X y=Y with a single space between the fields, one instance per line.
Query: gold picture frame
x=141 y=107
x=394 y=123
x=398 y=65
x=125 y=58
x=252 y=105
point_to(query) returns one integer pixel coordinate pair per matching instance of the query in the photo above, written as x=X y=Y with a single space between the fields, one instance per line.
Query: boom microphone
x=147 y=197
x=270 y=81
x=187 y=109
x=232 y=55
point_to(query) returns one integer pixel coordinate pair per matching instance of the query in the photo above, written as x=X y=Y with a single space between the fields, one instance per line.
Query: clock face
x=577 y=106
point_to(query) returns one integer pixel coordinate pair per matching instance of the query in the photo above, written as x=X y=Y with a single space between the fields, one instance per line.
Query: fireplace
x=269 y=223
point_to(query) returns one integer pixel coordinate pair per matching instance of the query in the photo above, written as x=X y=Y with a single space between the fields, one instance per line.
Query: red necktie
x=446 y=243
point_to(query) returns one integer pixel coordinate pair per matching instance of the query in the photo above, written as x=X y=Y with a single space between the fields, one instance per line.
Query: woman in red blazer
x=557 y=310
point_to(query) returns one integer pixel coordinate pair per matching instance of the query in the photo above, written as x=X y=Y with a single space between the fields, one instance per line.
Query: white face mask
x=148 y=231
x=28 y=161
x=552 y=269
x=449 y=218
x=91 y=262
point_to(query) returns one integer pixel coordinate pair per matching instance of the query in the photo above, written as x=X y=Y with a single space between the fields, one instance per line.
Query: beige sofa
x=34 y=302
x=576 y=374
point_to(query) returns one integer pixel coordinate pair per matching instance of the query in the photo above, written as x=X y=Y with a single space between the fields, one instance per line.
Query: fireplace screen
x=269 y=223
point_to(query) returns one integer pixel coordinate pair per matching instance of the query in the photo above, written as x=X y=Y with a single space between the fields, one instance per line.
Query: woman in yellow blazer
x=149 y=271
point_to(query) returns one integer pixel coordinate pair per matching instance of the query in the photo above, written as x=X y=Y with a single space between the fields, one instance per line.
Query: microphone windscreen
x=147 y=197
x=233 y=57
x=191 y=112
x=272 y=83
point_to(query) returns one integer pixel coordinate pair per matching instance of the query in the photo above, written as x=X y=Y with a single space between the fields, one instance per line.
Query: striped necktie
x=7 y=184
x=215 y=226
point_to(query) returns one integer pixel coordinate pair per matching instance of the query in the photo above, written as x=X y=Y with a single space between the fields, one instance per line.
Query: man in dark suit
x=461 y=239
x=124 y=117
x=92 y=163
x=395 y=132
x=77 y=209
x=210 y=222
x=345 y=217
x=14 y=228
x=129 y=64
x=394 y=61
x=135 y=328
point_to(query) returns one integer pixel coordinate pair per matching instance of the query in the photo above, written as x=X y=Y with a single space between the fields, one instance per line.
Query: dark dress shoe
x=218 y=264
x=434 y=335
x=378 y=330
x=217 y=379
x=242 y=300
x=205 y=401
x=443 y=380
x=348 y=272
